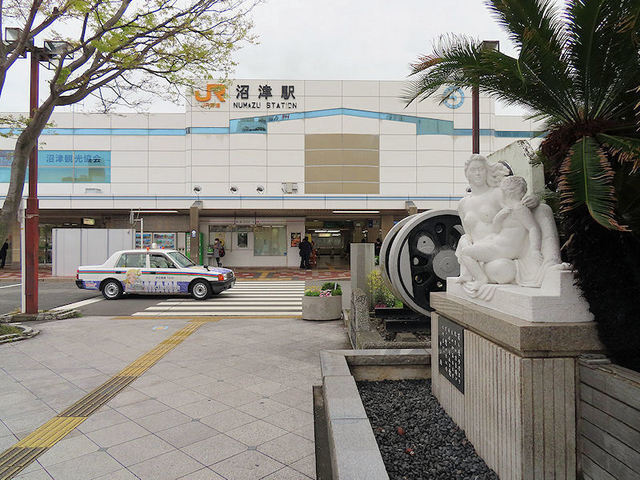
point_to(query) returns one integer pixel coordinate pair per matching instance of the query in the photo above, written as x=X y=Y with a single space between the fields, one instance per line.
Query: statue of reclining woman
x=509 y=237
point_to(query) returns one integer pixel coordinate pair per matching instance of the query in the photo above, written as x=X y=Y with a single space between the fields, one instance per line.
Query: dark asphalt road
x=55 y=293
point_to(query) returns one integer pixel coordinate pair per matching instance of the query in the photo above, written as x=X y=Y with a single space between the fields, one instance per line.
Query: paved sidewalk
x=232 y=401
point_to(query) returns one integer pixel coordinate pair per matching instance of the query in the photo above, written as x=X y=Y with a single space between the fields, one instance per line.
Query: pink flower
x=325 y=293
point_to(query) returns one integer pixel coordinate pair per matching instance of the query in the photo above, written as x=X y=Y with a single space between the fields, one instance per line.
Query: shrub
x=328 y=289
x=381 y=296
x=312 y=292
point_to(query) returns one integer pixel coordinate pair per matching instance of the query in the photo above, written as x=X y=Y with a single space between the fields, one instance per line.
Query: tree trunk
x=26 y=141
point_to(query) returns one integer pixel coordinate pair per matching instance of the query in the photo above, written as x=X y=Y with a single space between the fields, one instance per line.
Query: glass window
x=243 y=239
x=132 y=260
x=157 y=260
x=270 y=241
x=92 y=175
x=180 y=259
x=5 y=175
x=55 y=175
x=6 y=158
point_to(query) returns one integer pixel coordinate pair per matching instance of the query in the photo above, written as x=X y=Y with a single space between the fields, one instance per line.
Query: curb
x=27 y=332
x=39 y=317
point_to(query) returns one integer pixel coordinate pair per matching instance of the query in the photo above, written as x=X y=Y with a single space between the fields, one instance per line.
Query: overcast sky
x=333 y=39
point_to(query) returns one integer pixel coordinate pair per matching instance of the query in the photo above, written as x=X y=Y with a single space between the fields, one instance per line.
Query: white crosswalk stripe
x=246 y=298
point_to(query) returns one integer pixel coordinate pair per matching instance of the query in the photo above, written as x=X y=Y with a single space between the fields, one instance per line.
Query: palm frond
x=626 y=149
x=586 y=178
x=462 y=62
x=603 y=56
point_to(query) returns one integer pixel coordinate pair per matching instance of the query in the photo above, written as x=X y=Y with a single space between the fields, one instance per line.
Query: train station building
x=260 y=163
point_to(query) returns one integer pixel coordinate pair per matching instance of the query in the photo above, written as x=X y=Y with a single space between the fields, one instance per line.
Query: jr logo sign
x=217 y=89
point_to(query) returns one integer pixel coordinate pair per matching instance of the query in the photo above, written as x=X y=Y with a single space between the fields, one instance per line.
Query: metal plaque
x=451 y=352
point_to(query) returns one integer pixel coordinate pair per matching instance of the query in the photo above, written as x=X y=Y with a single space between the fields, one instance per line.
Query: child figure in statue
x=516 y=235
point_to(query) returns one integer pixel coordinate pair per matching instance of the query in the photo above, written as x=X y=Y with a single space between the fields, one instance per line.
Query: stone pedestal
x=510 y=384
x=362 y=262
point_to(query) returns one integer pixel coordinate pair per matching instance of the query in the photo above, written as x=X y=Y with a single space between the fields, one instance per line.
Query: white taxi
x=153 y=271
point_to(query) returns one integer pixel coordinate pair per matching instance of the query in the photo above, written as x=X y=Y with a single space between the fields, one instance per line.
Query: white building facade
x=264 y=161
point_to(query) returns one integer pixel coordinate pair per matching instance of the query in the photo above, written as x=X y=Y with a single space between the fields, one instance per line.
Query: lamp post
x=475 y=101
x=52 y=50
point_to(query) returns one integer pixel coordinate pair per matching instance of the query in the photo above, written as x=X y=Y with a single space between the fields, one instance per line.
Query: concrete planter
x=321 y=308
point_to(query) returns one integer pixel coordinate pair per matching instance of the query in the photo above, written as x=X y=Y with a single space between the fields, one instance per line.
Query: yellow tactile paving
x=17 y=457
x=51 y=432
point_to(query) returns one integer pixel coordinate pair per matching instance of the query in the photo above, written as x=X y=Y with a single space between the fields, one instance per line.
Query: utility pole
x=32 y=220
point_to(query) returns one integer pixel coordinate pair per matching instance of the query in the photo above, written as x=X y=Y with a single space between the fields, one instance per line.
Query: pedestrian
x=3 y=253
x=218 y=251
x=377 y=246
x=305 y=253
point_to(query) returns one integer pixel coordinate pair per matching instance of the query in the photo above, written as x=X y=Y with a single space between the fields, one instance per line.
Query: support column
x=386 y=223
x=194 y=226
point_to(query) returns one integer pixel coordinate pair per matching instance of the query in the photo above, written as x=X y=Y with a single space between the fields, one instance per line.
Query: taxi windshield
x=180 y=259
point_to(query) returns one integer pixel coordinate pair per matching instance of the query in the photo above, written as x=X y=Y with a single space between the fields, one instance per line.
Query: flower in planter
x=312 y=292
x=325 y=293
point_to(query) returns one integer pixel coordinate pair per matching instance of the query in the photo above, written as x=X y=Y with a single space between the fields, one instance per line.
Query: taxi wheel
x=200 y=290
x=111 y=289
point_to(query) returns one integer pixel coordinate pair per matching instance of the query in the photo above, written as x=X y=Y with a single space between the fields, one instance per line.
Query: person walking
x=305 y=253
x=377 y=246
x=218 y=250
x=3 y=253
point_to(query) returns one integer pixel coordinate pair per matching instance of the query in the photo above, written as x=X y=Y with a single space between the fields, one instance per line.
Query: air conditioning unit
x=289 y=187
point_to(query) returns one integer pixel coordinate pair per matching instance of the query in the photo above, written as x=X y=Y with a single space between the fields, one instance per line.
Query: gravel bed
x=417 y=439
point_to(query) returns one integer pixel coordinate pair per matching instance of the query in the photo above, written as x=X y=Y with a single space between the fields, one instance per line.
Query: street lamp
x=475 y=100
x=52 y=50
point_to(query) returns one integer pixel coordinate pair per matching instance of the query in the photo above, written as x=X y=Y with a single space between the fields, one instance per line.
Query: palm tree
x=578 y=70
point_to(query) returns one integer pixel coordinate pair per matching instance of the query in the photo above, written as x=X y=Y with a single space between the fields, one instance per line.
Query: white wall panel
x=463 y=143
x=129 y=175
x=124 y=159
x=395 y=128
x=238 y=175
x=168 y=189
x=210 y=174
x=285 y=174
x=62 y=119
x=91 y=120
x=435 y=158
x=51 y=189
x=166 y=175
x=55 y=142
x=286 y=142
x=210 y=157
x=248 y=157
x=391 y=188
x=324 y=124
x=130 y=189
x=286 y=126
x=322 y=88
x=358 y=125
x=167 y=142
x=209 y=142
x=129 y=120
x=130 y=142
x=435 y=142
x=371 y=104
x=247 y=141
x=208 y=119
x=397 y=142
x=285 y=157
x=360 y=88
x=435 y=189
x=397 y=174
x=92 y=142
x=167 y=159
x=435 y=174
x=322 y=103
x=167 y=120
x=397 y=158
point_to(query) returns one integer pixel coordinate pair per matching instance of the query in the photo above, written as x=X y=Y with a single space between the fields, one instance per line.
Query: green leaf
x=627 y=149
x=586 y=178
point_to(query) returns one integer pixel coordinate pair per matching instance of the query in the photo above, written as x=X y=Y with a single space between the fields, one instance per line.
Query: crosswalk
x=248 y=298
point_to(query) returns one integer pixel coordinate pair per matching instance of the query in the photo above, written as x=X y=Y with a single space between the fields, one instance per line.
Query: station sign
x=249 y=95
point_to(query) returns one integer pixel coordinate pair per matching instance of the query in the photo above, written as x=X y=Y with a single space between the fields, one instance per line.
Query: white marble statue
x=510 y=238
